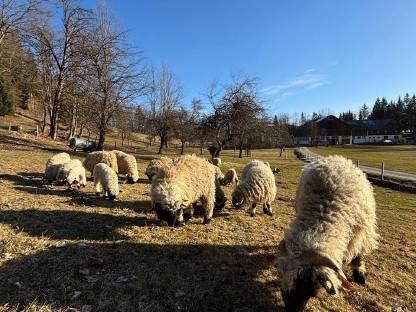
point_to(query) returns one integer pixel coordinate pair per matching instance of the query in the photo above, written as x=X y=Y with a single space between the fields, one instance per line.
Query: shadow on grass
x=61 y=224
x=143 y=206
x=28 y=143
x=142 y=277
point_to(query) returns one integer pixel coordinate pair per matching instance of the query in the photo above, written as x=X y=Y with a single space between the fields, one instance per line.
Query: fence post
x=382 y=171
x=10 y=127
x=358 y=163
x=37 y=130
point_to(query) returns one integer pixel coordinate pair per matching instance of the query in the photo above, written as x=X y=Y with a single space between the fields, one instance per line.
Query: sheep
x=335 y=223
x=63 y=170
x=216 y=161
x=230 y=177
x=257 y=185
x=76 y=176
x=156 y=164
x=105 y=181
x=175 y=188
x=108 y=158
x=53 y=164
x=127 y=165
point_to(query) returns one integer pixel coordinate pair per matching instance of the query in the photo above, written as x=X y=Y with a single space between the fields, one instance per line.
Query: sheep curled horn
x=314 y=258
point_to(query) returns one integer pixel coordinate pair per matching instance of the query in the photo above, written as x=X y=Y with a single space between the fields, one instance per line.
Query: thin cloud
x=310 y=79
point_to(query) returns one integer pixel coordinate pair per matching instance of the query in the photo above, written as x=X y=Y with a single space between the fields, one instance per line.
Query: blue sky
x=307 y=55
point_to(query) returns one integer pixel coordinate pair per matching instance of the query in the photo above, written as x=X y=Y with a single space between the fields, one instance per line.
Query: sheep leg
x=358 y=270
x=267 y=209
x=180 y=221
x=253 y=210
x=98 y=188
x=208 y=206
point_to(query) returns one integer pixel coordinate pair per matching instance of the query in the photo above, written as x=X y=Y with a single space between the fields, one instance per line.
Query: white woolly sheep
x=230 y=177
x=257 y=185
x=175 y=188
x=77 y=176
x=156 y=164
x=127 y=165
x=105 y=157
x=63 y=170
x=335 y=223
x=105 y=181
x=53 y=164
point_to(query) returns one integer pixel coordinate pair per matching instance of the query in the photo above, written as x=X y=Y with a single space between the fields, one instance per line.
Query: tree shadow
x=142 y=277
x=28 y=144
x=141 y=206
x=72 y=225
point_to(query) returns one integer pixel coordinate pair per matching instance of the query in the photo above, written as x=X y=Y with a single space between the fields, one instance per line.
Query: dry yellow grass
x=67 y=250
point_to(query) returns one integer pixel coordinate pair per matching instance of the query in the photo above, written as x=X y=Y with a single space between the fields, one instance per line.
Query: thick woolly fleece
x=105 y=180
x=105 y=157
x=335 y=216
x=53 y=164
x=127 y=165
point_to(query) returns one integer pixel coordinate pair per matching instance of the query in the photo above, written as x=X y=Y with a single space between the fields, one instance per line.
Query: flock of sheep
x=334 y=223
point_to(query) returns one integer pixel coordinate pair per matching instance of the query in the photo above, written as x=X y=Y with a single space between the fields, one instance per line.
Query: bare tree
x=164 y=99
x=14 y=15
x=57 y=49
x=114 y=71
x=235 y=107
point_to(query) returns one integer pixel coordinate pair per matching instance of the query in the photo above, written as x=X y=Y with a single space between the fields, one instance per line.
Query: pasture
x=66 y=250
x=395 y=157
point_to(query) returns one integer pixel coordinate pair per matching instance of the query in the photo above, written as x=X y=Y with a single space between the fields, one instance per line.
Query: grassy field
x=397 y=157
x=67 y=250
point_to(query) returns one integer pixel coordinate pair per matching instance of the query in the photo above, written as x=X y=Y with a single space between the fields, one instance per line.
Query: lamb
x=76 y=176
x=175 y=188
x=257 y=185
x=157 y=164
x=63 y=170
x=127 y=165
x=105 y=181
x=230 y=177
x=335 y=223
x=108 y=158
x=53 y=164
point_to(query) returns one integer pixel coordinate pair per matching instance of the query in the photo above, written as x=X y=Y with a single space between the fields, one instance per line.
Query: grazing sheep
x=77 y=176
x=218 y=173
x=53 y=164
x=105 y=181
x=257 y=185
x=156 y=164
x=127 y=165
x=335 y=223
x=175 y=188
x=108 y=158
x=63 y=170
x=276 y=170
x=216 y=161
x=230 y=177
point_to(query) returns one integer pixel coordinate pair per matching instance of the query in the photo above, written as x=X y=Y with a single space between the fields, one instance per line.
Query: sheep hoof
x=252 y=214
x=180 y=224
x=358 y=277
x=206 y=221
x=97 y=194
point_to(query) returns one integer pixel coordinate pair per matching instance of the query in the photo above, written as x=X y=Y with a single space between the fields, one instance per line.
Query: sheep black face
x=238 y=200
x=111 y=196
x=130 y=180
x=305 y=287
x=169 y=216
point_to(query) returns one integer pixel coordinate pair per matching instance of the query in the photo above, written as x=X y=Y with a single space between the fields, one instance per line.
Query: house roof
x=324 y=119
x=369 y=124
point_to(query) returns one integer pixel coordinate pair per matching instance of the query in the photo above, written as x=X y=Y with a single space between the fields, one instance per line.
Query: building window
x=386 y=137
x=396 y=136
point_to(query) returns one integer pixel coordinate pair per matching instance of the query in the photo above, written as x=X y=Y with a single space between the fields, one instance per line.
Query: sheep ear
x=327 y=284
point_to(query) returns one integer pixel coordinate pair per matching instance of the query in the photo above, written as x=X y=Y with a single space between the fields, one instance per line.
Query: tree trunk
x=240 y=148
x=182 y=147
x=162 y=143
x=73 y=124
x=122 y=137
x=45 y=113
x=103 y=130
x=81 y=129
x=53 y=132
